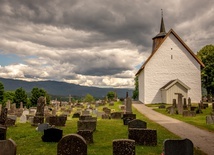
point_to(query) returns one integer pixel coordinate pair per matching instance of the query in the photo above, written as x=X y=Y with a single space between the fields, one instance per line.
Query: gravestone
x=136 y=123
x=72 y=144
x=107 y=110
x=0 y=108
x=85 y=112
x=185 y=104
x=23 y=119
x=162 y=106
x=106 y=116
x=116 y=115
x=123 y=147
x=44 y=126
x=8 y=105
x=52 y=135
x=76 y=115
x=87 y=135
x=100 y=113
x=10 y=121
x=187 y=113
x=178 y=147
x=210 y=119
x=143 y=136
x=174 y=103
x=7 y=147
x=128 y=105
x=3 y=116
x=39 y=118
x=189 y=103
x=87 y=125
x=180 y=106
x=3 y=133
x=21 y=105
x=56 y=120
x=127 y=118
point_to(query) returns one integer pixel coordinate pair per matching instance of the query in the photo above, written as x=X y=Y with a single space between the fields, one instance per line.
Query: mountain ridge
x=62 y=88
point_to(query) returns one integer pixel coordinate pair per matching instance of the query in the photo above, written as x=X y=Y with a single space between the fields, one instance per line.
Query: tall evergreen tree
x=20 y=96
x=36 y=93
x=136 y=91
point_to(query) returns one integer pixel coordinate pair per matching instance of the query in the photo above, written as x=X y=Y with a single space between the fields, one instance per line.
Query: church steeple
x=159 y=37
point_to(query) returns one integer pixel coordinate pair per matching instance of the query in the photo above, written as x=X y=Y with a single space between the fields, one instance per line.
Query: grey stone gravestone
x=23 y=119
x=178 y=147
x=52 y=135
x=72 y=144
x=39 y=118
x=210 y=119
x=86 y=125
x=180 y=106
x=44 y=126
x=187 y=113
x=128 y=105
x=174 y=103
x=136 y=123
x=3 y=133
x=87 y=135
x=7 y=147
x=143 y=136
x=100 y=113
x=123 y=147
x=185 y=104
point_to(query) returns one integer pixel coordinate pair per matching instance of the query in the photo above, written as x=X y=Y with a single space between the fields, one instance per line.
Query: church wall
x=171 y=61
x=141 y=86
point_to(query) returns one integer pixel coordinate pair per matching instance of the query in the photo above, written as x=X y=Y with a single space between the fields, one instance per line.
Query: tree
x=9 y=95
x=206 y=54
x=1 y=92
x=136 y=91
x=111 y=95
x=88 y=98
x=36 y=93
x=20 y=96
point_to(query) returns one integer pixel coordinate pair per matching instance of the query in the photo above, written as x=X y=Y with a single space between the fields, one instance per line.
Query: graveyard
x=100 y=124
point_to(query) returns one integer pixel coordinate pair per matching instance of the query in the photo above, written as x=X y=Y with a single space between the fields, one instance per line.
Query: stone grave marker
x=39 y=118
x=127 y=118
x=3 y=116
x=180 y=106
x=8 y=105
x=185 y=104
x=86 y=125
x=187 y=113
x=143 y=136
x=107 y=110
x=128 y=105
x=3 y=133
x=178 y=147
x=189 y=103
x=137 y=123
x=42 y=127
x=85 y=112
x=87 y=135
x=76 y=115
x=72 y=144
x=56 y=120
x=23 y=119
x=116 y=115
x=210 y=119
x=174 y=103
x=123 y=147
x=100 y=113
x=7 y=147
x=52 y=135
x=0 y=108
x=26 y=112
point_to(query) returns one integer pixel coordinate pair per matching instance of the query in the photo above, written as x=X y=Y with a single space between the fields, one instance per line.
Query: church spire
x=159 y=37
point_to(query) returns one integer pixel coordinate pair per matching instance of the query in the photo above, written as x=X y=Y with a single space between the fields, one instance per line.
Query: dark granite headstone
x=174 y=103
x=56 y=120
x=76 y=115
x=143 y=136
x=3 y=133
x=3 y=116
x=123 y=147
x=178 y=147
x=127 y=120
x=52 y=135
x=10 y=122
x=162 y=106
x=72 y=144
x=7 y=147
x=106 y=110
x=105 y=116
x=87 y=135
x=133 y=116
x=136 y=123
x=116 y=115
x=86 y=125
x=180 y=105
x=185 y=104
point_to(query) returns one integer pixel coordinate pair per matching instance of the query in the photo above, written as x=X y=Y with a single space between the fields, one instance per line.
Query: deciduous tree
x=20 y=96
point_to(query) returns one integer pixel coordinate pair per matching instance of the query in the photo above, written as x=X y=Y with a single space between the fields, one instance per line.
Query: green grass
x=29 y=140
x=199 y=120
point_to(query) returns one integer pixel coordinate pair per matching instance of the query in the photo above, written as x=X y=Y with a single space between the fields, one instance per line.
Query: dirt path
x=200 y=138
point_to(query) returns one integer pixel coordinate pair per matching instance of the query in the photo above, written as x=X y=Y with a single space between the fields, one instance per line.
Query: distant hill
x=62 y=88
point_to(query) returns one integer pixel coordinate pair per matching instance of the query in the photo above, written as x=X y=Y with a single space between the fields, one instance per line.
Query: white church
x=171 y=68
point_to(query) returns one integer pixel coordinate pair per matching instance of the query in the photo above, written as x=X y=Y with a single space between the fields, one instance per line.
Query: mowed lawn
x=29 y=140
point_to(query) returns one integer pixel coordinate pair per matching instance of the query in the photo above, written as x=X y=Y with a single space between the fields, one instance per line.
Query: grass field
x=29 y=140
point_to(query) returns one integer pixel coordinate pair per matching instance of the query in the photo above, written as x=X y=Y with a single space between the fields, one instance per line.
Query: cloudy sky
x=93 y=42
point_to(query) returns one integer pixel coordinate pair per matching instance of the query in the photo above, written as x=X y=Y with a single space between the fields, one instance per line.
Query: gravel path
x=200 y=138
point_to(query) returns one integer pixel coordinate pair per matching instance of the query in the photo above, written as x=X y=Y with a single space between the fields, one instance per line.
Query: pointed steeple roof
x=162 y=28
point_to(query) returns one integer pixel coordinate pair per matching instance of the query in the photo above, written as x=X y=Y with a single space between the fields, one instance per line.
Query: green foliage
x=9 y=95
x=206 y=54
x=36 y=93
x=111 y=95
x=88 y=98
x=20 y=96
x=136 y=91
x=1 y=92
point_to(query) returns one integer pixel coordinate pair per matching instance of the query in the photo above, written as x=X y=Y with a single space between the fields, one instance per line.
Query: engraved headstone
x=136 y=123
x=44 y=126
x=123 y=147
x=3 y=133
x=23 y=119
x=72 y=144
x=87 y=135
x=180 y=106
x=3 y=116
x=39 y=118
x=178 y=147
x=52 y=135
x=7 y=147
x=128 y=105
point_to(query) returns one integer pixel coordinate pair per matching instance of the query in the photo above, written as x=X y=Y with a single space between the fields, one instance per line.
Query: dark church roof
x=162 y=33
